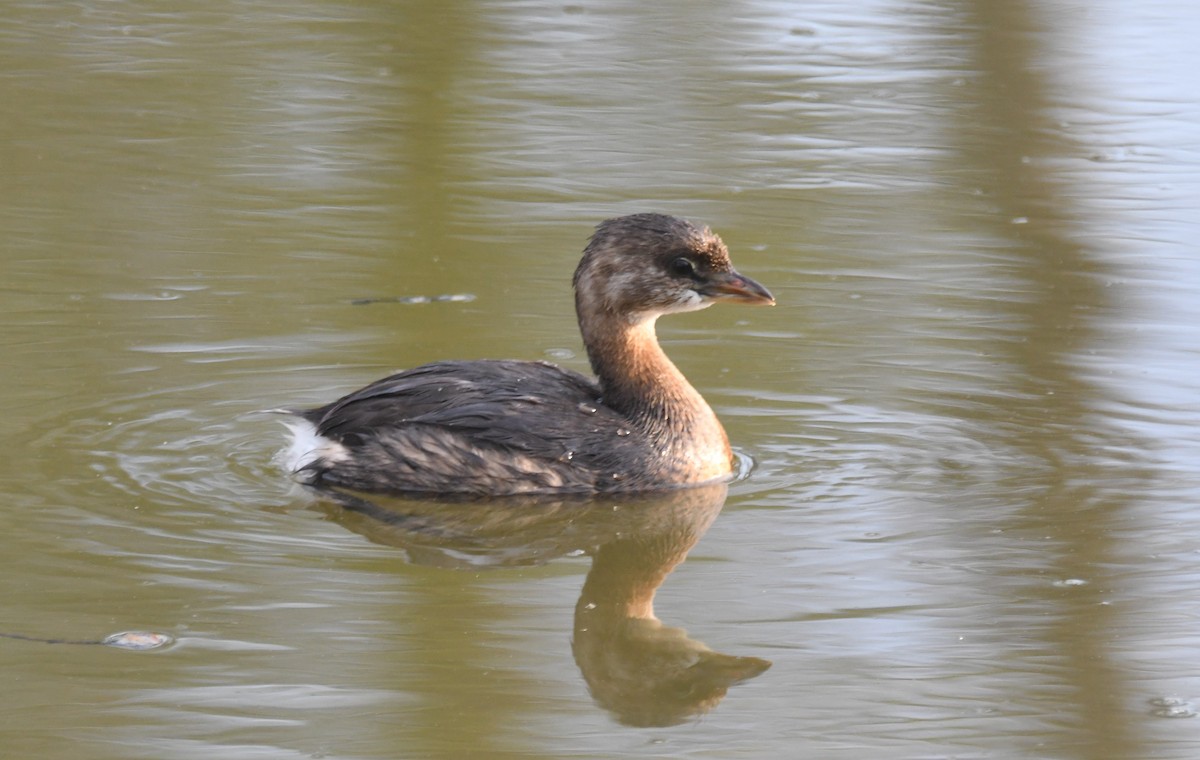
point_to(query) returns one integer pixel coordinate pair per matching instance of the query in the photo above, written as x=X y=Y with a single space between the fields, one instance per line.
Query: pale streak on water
x=970 y=528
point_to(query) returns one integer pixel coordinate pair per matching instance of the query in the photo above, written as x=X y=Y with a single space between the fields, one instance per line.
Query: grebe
x=498 y=427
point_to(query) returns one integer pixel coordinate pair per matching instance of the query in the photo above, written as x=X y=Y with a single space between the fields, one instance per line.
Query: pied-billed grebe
x=516 y=427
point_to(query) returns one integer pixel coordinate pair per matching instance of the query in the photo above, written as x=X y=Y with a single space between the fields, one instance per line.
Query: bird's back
x=487 y=427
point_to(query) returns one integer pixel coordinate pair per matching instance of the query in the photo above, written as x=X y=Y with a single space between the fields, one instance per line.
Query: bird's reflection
x=644 y=672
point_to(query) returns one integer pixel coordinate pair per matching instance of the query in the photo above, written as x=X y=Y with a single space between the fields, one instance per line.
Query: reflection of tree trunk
x=642 y=671
x=432 y=69
x=1047 y=414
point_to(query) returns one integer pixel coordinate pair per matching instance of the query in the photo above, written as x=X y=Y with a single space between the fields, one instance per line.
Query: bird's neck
x=641 y=382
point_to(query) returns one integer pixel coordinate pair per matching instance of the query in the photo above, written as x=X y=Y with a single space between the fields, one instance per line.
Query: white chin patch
x=690 y=301
x=693 y=301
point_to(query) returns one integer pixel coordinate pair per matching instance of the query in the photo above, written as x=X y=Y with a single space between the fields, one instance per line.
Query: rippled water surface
x=970 y=529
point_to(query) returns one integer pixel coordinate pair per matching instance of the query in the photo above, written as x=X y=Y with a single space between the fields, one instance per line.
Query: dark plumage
x=513 y=427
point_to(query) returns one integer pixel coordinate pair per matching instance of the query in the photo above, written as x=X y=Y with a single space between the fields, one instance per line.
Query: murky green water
x=971 y=527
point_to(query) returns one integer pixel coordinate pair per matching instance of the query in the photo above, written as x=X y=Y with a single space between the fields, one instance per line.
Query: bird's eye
x=683 y=267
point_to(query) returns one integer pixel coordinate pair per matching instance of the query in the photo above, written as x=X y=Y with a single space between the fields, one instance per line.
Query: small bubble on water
x=1167 y=701
x=560 y=353
x=1069 y=582
x=1172 y=707
x=1111 y=155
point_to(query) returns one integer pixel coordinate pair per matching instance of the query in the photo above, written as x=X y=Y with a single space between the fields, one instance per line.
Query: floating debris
x=448 y=297
x=137 y=640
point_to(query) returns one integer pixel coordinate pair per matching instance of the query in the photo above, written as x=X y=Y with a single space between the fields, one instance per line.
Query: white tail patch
x=308 y=447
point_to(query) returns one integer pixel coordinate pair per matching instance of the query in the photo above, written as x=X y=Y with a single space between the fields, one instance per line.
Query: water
x=969 y=528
